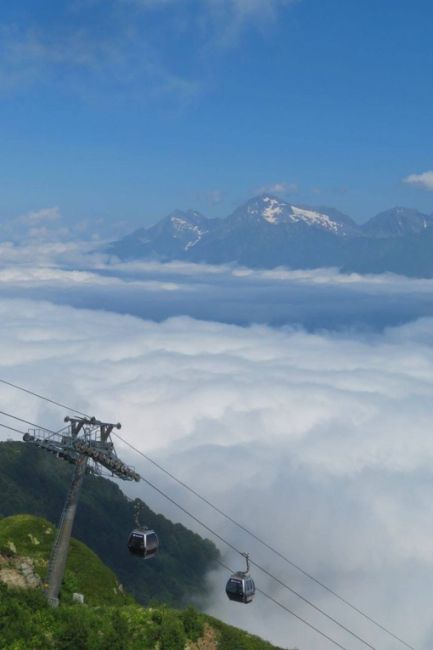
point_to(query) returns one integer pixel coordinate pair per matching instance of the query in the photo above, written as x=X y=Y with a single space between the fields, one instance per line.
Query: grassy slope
x=25 y=536
x=110 y=620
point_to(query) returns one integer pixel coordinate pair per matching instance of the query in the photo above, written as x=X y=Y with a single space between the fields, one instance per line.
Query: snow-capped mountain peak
x=277 y=212
x=268 y=209
x=273 y=209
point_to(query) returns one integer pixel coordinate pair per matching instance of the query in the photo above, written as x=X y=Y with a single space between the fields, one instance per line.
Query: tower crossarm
x=84 y=437
x=107 y=458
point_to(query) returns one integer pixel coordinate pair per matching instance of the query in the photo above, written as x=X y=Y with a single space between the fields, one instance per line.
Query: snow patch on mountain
x=272 y=211
x=183 y=226
x=180 y=224
x=199 y=234
x=277 y=212
x=312 y=217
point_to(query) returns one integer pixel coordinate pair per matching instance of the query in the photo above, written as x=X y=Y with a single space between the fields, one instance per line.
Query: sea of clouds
x=298 y=402
x=70 y=272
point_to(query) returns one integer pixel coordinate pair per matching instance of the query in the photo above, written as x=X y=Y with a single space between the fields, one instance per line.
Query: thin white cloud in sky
x=125 y=52
x=278 y=188
x=319 y=442
x=79 y=55
x=247 y=8
x=42 y=215
x=229 y=18
x=218 y=24
x=235 y=7
x=424 y=181
x=46 y=230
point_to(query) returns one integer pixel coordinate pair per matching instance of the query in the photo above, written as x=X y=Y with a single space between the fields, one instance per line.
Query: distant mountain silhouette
x=266 y=232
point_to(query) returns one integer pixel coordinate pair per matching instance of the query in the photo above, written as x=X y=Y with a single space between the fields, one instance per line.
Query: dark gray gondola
x=143 y=543
x=240 y=586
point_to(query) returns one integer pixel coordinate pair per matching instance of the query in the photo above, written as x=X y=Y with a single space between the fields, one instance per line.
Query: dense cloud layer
x=320 y=442
x=315 y=299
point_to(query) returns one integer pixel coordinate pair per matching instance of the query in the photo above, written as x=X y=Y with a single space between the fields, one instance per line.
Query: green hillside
x=25 y=545
x=26 y=622
x=108 y=620
x=34 y=482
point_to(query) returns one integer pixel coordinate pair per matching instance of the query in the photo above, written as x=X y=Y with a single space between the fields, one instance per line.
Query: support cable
x=258 y=566
x=264 y=543
x=46 y=399
x=32 y=424
x=287 y=609
x=5 y=426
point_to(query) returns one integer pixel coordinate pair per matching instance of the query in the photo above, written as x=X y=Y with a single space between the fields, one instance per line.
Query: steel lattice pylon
x=88 y=446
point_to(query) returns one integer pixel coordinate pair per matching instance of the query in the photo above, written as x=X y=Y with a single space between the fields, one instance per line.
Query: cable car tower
x=86 y=444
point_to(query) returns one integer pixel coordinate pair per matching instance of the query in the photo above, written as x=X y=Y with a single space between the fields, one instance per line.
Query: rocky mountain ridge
x=266 y=232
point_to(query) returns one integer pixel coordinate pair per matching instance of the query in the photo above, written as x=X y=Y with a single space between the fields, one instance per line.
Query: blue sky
x=127 y=109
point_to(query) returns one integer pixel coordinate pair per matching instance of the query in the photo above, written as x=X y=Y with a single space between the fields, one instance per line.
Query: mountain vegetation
x=267 y=232
x=34 y=482
x=108 y=619
x=25 y=545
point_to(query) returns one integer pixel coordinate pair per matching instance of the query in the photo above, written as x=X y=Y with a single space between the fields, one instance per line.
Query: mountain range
x=266 y=232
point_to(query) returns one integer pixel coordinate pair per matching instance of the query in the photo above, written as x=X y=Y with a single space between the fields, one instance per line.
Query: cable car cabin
x=240 y=587
x=143 y=543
